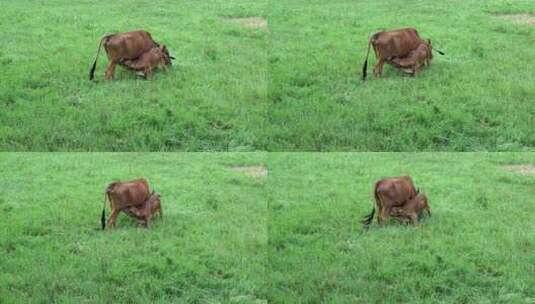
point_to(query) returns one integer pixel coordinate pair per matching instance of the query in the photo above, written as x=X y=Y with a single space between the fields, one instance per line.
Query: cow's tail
x=367 y=220
x=365 y=67
x=103 y=217
x=106 y=196
x=94 y=66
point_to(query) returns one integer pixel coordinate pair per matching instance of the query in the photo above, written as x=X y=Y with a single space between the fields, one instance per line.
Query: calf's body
x=144 y=212
x=412 y=208
x=417 y=58
x=148 y=61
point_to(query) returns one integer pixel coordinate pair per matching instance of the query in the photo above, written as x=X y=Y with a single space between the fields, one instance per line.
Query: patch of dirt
x=521 y=169
x=251 y=22
x=518 y=18
x=251 y=171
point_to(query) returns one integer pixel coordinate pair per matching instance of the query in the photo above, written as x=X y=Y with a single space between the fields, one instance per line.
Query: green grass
x=209 y=248
x=291 y=237
x=478 y=246
x=295 y=86
x=477 y=97
x=212 y=99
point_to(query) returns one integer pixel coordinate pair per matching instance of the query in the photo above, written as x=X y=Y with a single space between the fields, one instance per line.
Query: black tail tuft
x=365 y=69
x=92 y=71
x=368 y=219
x=103 y=219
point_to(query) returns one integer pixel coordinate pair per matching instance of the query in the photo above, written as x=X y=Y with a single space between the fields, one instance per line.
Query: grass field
x=477 y=97
x=212 y=99
x=292 y=236
x=209 y=247
x=245 y=86
x=478 y=246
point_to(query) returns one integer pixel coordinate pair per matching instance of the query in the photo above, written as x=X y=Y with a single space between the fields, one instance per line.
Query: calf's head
x=165 y=55
x=154 y=202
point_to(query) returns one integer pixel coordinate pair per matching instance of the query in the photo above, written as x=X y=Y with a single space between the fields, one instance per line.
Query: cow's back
x=129 y=45
x=396 y=43
x=395 y=191
x=129 y=193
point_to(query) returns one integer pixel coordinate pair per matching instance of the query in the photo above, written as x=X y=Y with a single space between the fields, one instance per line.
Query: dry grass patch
x=251 y=171
x=518 y=18
x=521 y=169
x=250 y=22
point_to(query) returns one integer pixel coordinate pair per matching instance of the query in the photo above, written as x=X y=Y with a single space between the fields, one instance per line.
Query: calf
x=149 y=61
x=146 y=211
x=389 y=193
x=417 y=58
x=122 y=196
x=412 y=208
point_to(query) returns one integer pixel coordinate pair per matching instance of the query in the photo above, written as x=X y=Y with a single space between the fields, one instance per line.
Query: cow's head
x=165 y=54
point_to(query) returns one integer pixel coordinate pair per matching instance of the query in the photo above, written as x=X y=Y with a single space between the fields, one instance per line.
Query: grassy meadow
x=213 y=98
x=232 y=233
x=285 y=78
x=209 y=247
x=477 y=247
x=479 y=96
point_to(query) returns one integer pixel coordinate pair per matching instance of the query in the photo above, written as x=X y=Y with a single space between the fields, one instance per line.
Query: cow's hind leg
x=383 y=216
x=378 y=69
x=110 y=70
x=113 y=218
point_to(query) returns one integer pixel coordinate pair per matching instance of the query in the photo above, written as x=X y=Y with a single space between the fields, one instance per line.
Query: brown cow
x=388 y=45
x=417 y=58
x=146 y=211
x=149 y=61
x=412 y=209
x=388 y=193
x=124 y=46
x=123 y=195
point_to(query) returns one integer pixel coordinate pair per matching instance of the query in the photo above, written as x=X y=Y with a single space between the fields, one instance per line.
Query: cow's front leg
x=110 y=70
x=113 y=218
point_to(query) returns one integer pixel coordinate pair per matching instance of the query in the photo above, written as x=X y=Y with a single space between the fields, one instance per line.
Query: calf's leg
x=414 y=219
